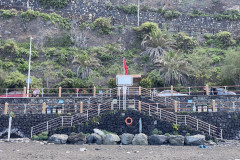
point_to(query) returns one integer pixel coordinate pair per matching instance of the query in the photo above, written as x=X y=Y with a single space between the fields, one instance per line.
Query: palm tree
x=173 y=68
x=157 y=43
x=86 y=60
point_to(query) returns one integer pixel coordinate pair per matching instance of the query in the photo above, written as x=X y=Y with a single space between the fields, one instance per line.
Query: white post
x=9 y=127
x=42 y=91
x=71 y=121
x=87 y=114
x=25 y=108
x=110 y=92
x=157 y=107
x=47 y=125
x=221 y=134
x=189 y=90
x=31 y=132
x=234 y=107
x=138 y=11
x=29 y=65
x=185 y=120
x=99 y=109
x=75 y=108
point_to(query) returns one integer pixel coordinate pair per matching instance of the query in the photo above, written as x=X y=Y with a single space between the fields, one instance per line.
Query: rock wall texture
x=82 y=10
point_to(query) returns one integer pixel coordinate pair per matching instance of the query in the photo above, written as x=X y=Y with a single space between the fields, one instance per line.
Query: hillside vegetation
x=162 y=58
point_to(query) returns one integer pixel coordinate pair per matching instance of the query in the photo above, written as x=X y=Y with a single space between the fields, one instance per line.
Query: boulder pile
x=99 y=137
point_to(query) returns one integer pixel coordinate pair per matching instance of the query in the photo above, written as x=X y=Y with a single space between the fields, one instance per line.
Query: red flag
x=125 y=67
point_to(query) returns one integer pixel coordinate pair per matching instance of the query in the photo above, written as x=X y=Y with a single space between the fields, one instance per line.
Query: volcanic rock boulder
x=126 y=138
x=140 y=139
x=111 y=139
x=176 y=140
x=58 y=138
x=157 y=139
x=98 y=131
x=77 y=139
x=195 y=140
x=94 y=138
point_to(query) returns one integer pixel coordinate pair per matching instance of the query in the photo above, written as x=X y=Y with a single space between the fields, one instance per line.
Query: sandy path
x=33 y=151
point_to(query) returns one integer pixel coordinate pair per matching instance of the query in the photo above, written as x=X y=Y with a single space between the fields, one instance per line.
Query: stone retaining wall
x=228 y=121
x=23 y=123
x=82 y=10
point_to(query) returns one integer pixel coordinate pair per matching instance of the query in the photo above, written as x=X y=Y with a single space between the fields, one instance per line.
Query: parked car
x=13 y=94
x=220 y=91
x=168 y=93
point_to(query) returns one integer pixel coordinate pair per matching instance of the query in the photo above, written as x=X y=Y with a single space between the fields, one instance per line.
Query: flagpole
x=123 y=66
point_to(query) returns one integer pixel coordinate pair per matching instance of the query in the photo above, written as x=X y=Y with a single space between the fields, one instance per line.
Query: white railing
x=93 y=110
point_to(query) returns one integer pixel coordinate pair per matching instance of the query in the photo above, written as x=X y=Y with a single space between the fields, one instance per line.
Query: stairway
x=95 y=106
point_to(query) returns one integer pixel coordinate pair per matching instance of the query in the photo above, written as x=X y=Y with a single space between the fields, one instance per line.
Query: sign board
x=60 y=101
x=205 y=108
x=114 y=101
x=124 y=80
x=190 y=101
x=30 y=81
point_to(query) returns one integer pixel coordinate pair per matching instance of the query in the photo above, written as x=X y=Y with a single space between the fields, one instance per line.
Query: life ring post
x=127 y=121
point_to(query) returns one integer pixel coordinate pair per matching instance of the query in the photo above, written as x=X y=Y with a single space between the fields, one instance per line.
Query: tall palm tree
x=157 y=43
x=87 y=61
x=173 y=68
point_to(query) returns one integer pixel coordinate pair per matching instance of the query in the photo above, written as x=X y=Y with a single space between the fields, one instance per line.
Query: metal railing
x=148 y=92
x=93 y=110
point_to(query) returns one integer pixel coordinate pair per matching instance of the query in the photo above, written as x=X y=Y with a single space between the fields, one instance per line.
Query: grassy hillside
x=162 y=58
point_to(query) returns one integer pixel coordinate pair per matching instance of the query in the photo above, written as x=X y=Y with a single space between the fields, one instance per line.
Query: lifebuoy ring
x=128 y=123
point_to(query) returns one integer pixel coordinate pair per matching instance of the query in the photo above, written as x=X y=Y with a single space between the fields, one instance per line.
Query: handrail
x=93 y=108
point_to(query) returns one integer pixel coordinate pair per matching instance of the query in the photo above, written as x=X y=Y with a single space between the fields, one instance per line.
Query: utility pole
x=138 y=11
x=29 y=65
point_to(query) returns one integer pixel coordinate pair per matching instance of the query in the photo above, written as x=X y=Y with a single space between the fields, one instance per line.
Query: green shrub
x=69 y=114
x=129 y=9
x=63 y=40
x=175 y=132
x=156 y=131
x=185 y=42
x=9 y=13
x=43 y=137
x=102 y=25
x=45 y=133
x=9 y=47
x=146 y=27
x=187 y=134
x=172 y=14
x=84 y=25
x=112 y=83
x=175 y=127
x=70 y=73
x=167 y=134
x=35 y=137
x=54 y=3
x=23 y=66
x=30 y=15
x=145 y=83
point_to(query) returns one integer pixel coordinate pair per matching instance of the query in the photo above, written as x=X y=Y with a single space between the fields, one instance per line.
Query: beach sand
x=37 y=150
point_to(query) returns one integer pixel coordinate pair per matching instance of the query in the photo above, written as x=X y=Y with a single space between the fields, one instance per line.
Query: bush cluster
x=129 y=9
x=102 y=25
x=54 y=3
